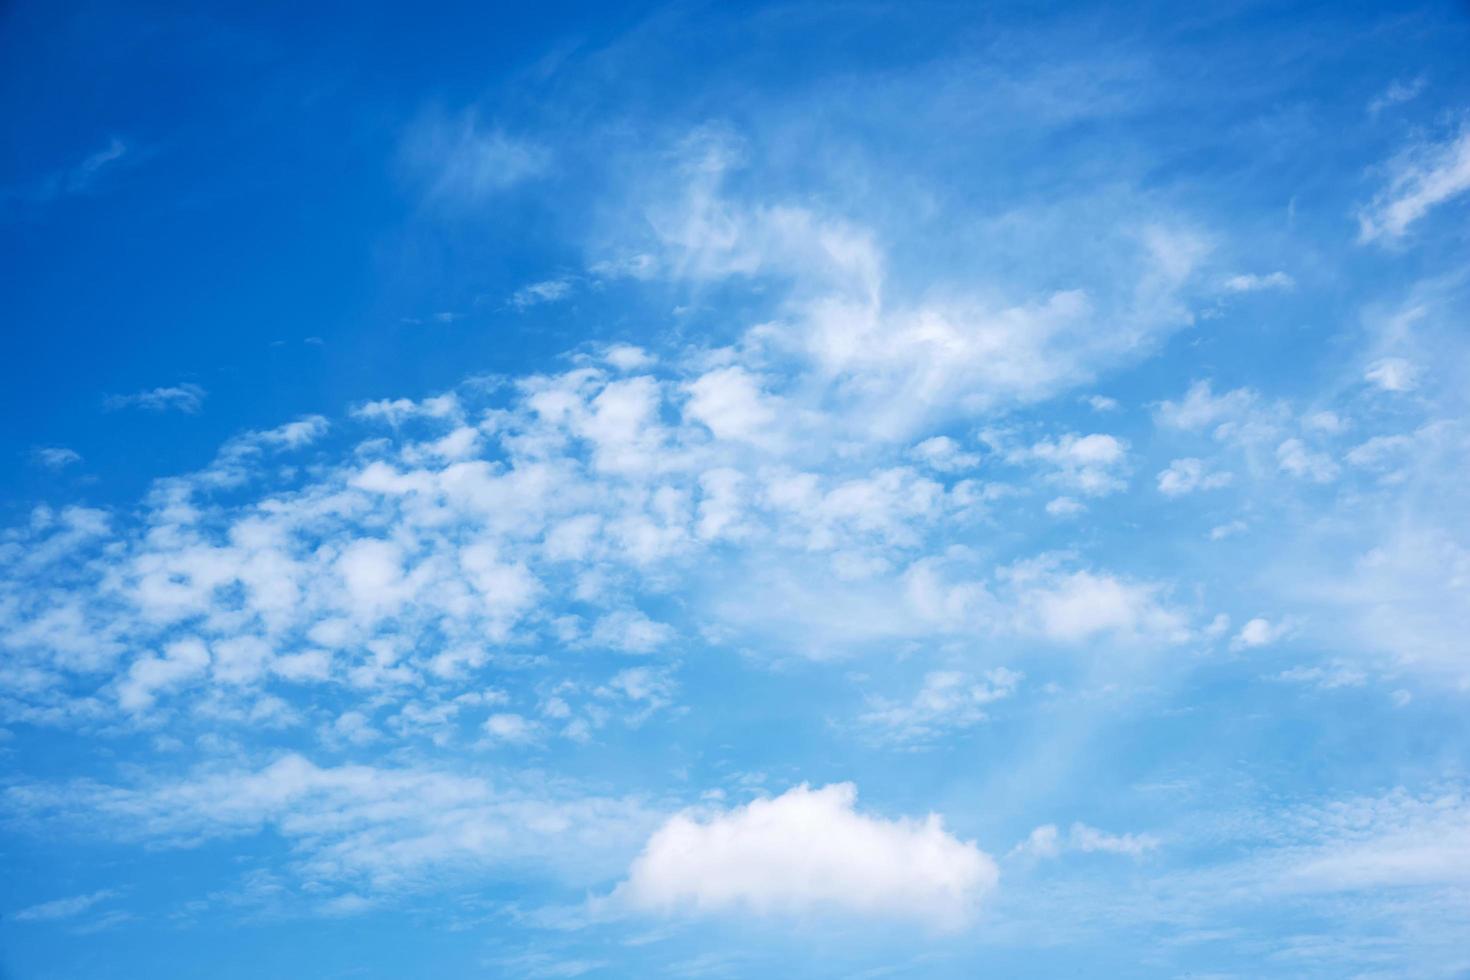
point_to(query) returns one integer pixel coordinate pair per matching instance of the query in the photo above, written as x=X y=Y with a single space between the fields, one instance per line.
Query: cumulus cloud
x=1259 y=632
x=810 y=852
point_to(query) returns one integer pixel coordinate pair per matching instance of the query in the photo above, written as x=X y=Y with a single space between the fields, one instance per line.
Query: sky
x=730 y=490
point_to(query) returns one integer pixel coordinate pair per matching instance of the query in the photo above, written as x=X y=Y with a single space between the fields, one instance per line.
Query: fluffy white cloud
x=809 y=851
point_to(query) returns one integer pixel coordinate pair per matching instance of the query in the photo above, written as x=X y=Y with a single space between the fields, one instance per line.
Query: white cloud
x=731 y=404
x=460 y=161
x=1398 y=92
x=536 y=293
x=1078 y=606
x=1047 y=841
x=947 y=700
x=1201 y=407
x=1091 y=464
x=1252 y=283
x=808 y=852
x=56 y=457
x=1421 y=179
x=62 y=908
x=1295 y=458
x=1259 y=632
x=1188 y=475
x=383 y=828
x=1393 y=374
x=944 y=455
x=1064 y=507
x=186 y=397
x=508 y=727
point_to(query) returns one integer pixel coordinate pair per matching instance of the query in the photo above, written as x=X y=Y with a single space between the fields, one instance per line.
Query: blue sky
x=735 y=490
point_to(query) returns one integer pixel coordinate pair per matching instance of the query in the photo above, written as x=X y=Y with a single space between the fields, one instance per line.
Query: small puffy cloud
x=1295 y=458
x=630 y=631
x=1076 y=607
x=1102 y=403
x=55 y=457
x=1188 y=475
x=809 y=851
x=627 y=357
x=1201 y=407
x=508 y=727
x=547 y=291
x=182 y=660
x=731 y=404
x=1251 y=283
x=1393 y=374
x=944 y=454
x=1091 y=464
x=186 y=397
x=1047 y=841
x=1421 y=179
x=1258 y=633
x=1064 y=507
x=1227 y=530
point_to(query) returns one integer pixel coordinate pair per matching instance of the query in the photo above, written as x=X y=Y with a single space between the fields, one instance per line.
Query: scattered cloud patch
x=186 y=397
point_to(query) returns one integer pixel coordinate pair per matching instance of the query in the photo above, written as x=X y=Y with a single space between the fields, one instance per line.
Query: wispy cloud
x=186 y=397
x=55 y=457
x=1422 y=178
x=458 y=160
x=62 y=908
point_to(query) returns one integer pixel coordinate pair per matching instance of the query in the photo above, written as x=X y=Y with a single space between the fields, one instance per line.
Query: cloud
x=946 y=700
x=536 y=293
x=186 y=397
x=55 y=457
x=1201 y=408
x=1293 y=457
x=62 y=908
x=1259 y=632
x=1422 y=178
x=944 y=455
x=1251 y=283
x=1188 y=475
x=1047 y=842
x=459 y=161
x=810 y=852
x=1398 y=92
x=381 y=829
x=1394 y=374
x=1091 y=464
